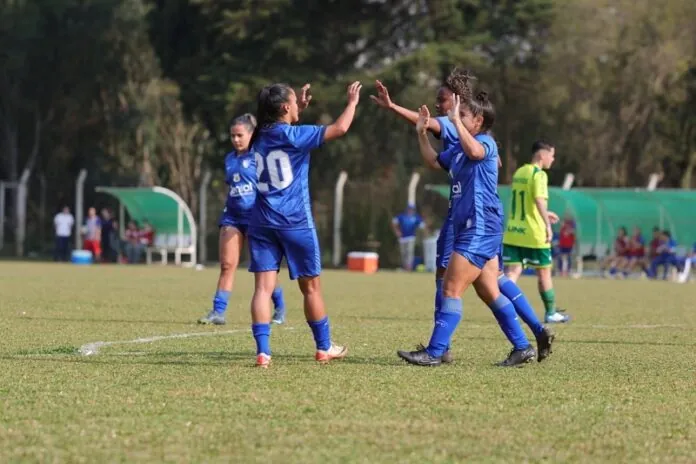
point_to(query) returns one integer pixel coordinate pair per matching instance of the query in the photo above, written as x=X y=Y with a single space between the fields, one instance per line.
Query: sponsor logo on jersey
x=241 y=190
x=517 y=230
x=457 y=188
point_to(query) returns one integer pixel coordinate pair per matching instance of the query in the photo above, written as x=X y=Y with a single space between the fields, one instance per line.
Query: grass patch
x=618 y=388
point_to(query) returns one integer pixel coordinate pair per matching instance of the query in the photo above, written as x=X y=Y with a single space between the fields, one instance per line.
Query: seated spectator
x=652 y=247
x=619 y=257
x=566 y=243
x=636 y=252
x=147 y=234
x=665 y=256
x=134 y=248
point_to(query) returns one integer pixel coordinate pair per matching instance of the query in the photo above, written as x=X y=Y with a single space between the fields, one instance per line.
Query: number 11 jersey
x=282 y=169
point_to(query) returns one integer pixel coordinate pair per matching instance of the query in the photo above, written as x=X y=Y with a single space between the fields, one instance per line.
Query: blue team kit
x=281 y=224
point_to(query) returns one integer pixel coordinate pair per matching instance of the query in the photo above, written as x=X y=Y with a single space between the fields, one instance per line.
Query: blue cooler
x=81 y=257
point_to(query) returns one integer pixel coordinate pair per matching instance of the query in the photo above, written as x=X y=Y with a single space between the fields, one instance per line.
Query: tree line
x=139 y=92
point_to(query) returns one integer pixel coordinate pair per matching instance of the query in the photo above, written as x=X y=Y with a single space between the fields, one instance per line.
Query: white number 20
x=279 y=170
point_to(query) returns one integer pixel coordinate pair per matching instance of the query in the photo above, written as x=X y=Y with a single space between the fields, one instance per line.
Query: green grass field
x=618 y=388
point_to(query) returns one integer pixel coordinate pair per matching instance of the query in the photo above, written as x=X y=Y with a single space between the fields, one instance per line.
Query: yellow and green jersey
x=525 y=227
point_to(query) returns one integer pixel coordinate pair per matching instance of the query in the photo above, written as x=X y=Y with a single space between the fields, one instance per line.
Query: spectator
x=405 y=226
x=147 y=234
x=133 y=246
x=617 y=259
x=63 y=223
x=652 y=247
x=92 y=233
x=566 y=244
x=107 y=228
x=666 y=256
x=636 y=252
x=115 y=241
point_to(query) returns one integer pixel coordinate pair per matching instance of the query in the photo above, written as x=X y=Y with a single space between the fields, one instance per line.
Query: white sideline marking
x=90 y=349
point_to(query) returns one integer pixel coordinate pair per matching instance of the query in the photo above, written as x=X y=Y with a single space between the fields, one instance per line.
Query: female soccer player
x=459 y=83
x=477 y=218
x=240 y=175
x=281 y=221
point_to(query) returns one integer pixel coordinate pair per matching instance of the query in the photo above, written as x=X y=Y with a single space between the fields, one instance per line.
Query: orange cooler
x=363 y=261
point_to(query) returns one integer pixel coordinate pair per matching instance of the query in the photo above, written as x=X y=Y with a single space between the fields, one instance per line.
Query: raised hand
x=382 y=99
x=305 y=97
x=354 y=92
x=423 y=120
x=453 y=114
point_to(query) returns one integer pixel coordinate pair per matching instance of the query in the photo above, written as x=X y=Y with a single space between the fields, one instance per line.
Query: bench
x=169 y=243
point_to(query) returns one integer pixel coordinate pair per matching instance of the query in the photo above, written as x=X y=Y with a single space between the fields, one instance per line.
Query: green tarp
x=160 y=207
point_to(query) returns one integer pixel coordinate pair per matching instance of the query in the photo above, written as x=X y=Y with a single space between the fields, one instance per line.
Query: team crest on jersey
x=236 y=177
x=246 y=163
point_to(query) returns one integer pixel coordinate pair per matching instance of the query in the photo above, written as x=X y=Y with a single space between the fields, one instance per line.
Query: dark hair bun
x=482 y=97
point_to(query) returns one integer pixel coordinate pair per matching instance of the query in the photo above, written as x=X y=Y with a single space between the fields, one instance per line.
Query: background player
x=281 y=223
x=240 y=175
x=528 y=233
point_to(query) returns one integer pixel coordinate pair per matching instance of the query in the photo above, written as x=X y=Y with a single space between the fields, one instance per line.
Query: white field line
x=92 y=348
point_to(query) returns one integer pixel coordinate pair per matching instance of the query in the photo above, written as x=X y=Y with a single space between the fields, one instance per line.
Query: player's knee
x=309 y=285
x=227 y=266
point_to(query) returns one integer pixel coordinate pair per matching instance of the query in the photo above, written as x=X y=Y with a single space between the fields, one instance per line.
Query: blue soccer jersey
x=476 y=207
x=408 y=224
x=282 y=169
x=448 y=133
x=240 y=175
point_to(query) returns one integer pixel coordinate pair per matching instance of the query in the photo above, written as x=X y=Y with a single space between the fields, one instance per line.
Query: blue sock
x=504 y=312
x=438 y=297
x=521 y=304
x=262 y=335
x=445 y=325
x=220 y=301
x=277 y=297
x=322 y=333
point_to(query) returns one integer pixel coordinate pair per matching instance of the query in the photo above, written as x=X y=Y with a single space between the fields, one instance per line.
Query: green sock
x=549 y=299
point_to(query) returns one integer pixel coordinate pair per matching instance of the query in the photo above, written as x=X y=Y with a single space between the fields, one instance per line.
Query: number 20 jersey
x=282 y=169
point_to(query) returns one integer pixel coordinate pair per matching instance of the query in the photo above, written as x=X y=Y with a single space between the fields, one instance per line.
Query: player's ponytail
x=269 y=104
x=460 y=82
x=481 y=105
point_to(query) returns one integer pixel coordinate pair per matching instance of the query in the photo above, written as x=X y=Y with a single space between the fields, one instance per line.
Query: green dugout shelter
x=167 y=212
x=599 y=213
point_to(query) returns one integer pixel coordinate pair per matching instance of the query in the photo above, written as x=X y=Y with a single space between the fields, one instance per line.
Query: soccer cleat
x=544 y=341
x=419 y=358
x=447 y=358
x=556 y=318
x=518 y=357
x=263 y=360
x=213 y=318
x=334 y=352
x=279 y=316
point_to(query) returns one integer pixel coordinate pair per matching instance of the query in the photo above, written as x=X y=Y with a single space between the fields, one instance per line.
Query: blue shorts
x=227 y=221
x=445 y=244
x=479 y=249
x=300 y=247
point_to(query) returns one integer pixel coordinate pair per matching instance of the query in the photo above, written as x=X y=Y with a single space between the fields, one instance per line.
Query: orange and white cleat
x=263 y=360
x=334 y=352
